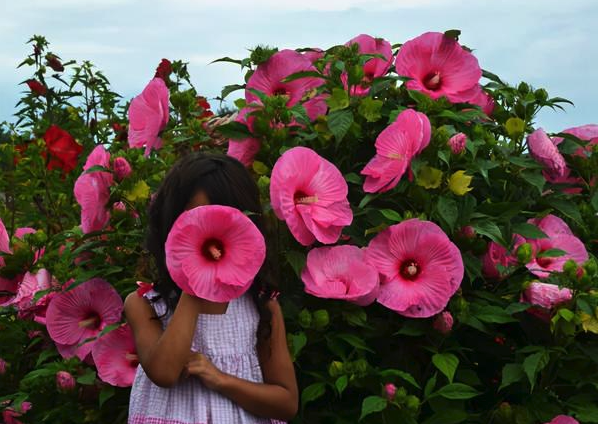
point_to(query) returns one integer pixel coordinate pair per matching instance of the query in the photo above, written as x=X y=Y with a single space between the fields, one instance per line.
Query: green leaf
x=341 y=384
x=584 y=407
x=401 y=374
x=297 y=261
x=529 y=231
x=106 y=393
x=551 y=253
x=524 y=162
x=430 y=385
x=353 y=178
x=229 y=89
x=296 y=343
x=594 y=201
x=568 y=208
x=369 y=108
x=372 y=404
x=457 y=391
x=511 y=373
x=453 y=33
x=391 y=215
x=303 y=74
x=534 y=178
x=312 y=392
x=490 y=230
x=88 y=378
x=446 y=363
x=535 y=363
x=339 y=123
x=492 y=314
x=228 y=59
x=448 y=211
x=355 y=341
x=234 y=130
x=338 y=100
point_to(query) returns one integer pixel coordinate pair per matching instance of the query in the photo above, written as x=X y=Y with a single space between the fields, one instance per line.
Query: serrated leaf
x=234 y=130
x=489 y=229
x=372 y=404
x=448 y=211
x=229 y=89
x=341 y=384
x=529 y=231
x=446 y=363
x=339 y=123
x=370 y=108
x=533 y=364
x=338 y=100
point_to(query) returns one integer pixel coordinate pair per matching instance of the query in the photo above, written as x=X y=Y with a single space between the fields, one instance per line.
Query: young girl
x=203 y=362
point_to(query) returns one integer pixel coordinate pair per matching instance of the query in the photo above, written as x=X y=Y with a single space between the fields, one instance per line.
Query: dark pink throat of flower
x=92 y=321
x=280 y=91
x=304 y=198
x=544 y=262
x=132 y=358
x=212 y=250
x=409 y=269
x=432 y=80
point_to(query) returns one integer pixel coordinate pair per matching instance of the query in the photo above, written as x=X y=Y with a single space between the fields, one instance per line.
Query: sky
x=547 y=43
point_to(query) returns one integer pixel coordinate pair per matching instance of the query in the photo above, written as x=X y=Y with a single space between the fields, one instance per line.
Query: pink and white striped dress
x=229 y=341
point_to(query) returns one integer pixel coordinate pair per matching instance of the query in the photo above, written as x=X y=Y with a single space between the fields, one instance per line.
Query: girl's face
x=198 y=199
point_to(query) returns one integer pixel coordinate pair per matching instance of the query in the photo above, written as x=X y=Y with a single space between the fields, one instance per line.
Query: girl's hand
x=200 y=366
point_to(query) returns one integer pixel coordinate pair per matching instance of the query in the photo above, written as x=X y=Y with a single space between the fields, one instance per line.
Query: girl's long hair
x=225 y=181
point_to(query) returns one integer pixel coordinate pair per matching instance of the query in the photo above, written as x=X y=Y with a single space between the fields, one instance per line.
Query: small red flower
x=204 y=107
x=63 y=149
x=53 y=62
x=37 y=87
x=164 y=70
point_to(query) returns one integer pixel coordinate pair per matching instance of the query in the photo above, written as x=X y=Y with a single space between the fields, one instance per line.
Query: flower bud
x=121 y=168
x=3 y=366
x=390 y=390
x=570 y=268
x=336 y=369
x=401 y=394
x=65 y=382
x=320 y=319
x=412 y=403
x=524 y=253
x=443 y=323
x=590 y=267
x=457 y=143
x=304 y=318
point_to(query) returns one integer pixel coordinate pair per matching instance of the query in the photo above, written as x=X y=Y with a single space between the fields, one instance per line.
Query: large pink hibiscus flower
x=32 y=284
x=81 y=313
x=559 y=237
x=375 y=67
x=396 y=145
x=544 y=150
x=115 y=357
x=148 y=115
x=99 y=156
x=214 y=252
x=310 y=194
x=268 y=77
x=439 y=66
x=92 y=192
x=545 y=297
x=563 y=419
x=420 y=268
x=584 y=132
x=340 y=272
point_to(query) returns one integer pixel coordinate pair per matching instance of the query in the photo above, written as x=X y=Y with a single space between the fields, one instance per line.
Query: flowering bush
x=437 y=251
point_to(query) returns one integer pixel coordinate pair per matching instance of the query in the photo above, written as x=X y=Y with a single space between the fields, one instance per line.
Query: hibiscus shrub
x=436 y=251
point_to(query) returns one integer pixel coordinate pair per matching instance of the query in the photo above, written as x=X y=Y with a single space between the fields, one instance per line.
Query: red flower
x=53 y=62
x=37 y=87
x=164 y=70
x=204 y=107
x=63 y=149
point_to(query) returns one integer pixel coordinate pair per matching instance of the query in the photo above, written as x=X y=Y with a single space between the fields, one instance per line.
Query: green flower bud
x=361 y=366
x=523 y=88
x=541 y=94
x=401 y=394
x=524 y=253
x=304 y=318
x=336 y=369
x=320 y=319
x=412 y=403
x=570 y=269
x=590 y=267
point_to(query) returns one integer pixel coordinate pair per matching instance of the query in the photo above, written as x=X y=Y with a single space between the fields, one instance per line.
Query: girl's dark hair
x=225 y=181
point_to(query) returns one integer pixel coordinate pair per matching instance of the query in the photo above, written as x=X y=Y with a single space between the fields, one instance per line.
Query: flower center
x=92 y=321
x=410 y=269
x=132 y=358
x=544 y=262
x=304 y=198
x=280 y=91
x=432 y=80
x=212 y=250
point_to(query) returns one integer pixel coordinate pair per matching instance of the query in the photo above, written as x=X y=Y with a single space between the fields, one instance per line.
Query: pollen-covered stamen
x=213 y=250
x=305 y=199
x=410 y=269
x=92 y=322
x=432 y=80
